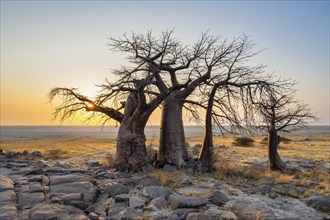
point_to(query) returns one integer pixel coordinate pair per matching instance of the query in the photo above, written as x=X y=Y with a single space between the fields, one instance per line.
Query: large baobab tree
x=139 y=91
x=178 y=64
x=279 y=112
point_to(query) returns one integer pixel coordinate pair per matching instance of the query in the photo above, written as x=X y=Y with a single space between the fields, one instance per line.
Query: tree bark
x=275 y=162
x=206 y=153
x=131 y=151
x=172 y=142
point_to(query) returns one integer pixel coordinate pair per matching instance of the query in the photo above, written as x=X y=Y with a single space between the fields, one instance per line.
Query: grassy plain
x=236 y=165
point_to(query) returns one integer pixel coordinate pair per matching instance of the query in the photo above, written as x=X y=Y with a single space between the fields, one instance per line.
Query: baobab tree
x=279 y=112
x=130 y=100
x=226 y=102
x=191 y=64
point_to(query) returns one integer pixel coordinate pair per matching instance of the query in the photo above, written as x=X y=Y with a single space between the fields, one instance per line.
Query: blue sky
x=63 y=43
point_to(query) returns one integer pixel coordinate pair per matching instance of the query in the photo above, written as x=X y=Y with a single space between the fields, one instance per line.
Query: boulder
x=35 y=178
x=115 y=209
x=8 y=211
x=182 y=213
x=186 y=181
x=44 y=180
x=92 y=163
x=123 y=198
x=130 y=214
x=78 y=204
x=218 y=198
x=169 y=168
x=7 y=196
x=159 y=202
x=115 y=189
x=156 y=191
x=25 y=153
x=72 y=196
x=12 y=154
x=289 y=190
x=320 y=203
x=228 y=216
x=6 y=183
x=73 y=184
x=98 y=208
x=179 y=201
x=93 y=216
x=260 y=190
x=36 y=154
x=149 y=182
x=137 y=202
x=26 y=199
x=250 y=211
x=35 y=187
x=52 y=211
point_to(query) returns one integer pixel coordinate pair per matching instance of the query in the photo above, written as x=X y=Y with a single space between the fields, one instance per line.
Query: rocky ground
x=40 y=189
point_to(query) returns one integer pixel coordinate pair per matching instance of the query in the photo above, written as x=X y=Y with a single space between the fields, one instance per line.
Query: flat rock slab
x=85 y=188
x=156 y=191
x=8 y=209
x=320 y=203
x=115 y=189
x=179 y=201
x=52 y=211
x=123 y=198
x=115 y=209
x=6 y=183
x=251 y=211
x=137 y=202
x=60 y=179
x=17 y=165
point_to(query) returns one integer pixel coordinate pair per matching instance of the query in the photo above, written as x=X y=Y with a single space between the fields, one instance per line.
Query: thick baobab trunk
x=206 y=153
x=275 y=162
x=172 y=148
x=131 y=151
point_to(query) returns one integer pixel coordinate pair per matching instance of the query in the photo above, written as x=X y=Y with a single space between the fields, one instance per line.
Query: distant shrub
x=285 y=140
x=243 y=142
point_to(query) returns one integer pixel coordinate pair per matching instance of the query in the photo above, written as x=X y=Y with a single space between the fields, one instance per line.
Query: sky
x=45 y=44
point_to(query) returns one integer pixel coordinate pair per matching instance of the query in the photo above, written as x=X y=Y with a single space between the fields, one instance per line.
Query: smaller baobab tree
x=225 y=100
x=279 y=111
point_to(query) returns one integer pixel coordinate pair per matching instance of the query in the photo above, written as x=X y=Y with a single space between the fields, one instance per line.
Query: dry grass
x=240 y=166
x=168 y=179
x=62 y=148
x=245 y=167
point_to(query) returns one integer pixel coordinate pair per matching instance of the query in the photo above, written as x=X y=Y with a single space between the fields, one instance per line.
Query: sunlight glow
x=89 y=105
x=89 y=92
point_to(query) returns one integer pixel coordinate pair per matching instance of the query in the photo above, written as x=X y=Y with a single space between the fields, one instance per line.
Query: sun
x=89 y=106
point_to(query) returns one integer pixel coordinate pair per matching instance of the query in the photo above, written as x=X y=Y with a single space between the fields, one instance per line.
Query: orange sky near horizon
x=45 y=44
